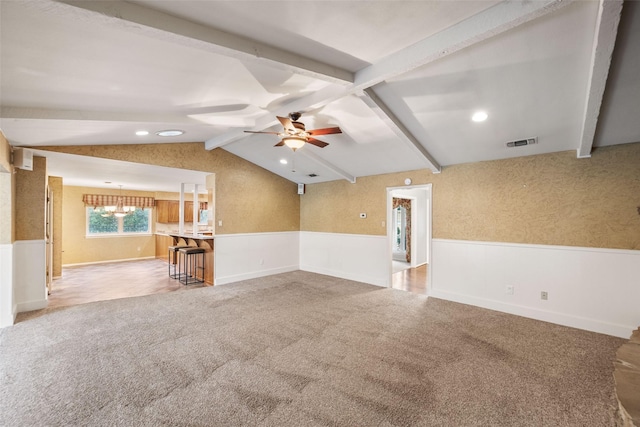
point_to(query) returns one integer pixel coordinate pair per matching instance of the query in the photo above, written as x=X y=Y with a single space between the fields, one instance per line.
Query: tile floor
x=99 y=282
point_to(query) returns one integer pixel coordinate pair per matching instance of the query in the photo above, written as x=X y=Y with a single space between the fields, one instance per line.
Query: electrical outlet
x=509 y=290
x=544 y=295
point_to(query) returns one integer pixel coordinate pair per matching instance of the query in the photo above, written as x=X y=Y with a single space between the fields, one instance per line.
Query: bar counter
x=199 y=240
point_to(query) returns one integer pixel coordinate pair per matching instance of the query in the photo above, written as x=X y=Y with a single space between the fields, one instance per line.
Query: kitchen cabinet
x=188 y=211
x=162 y=244
x=168 y=211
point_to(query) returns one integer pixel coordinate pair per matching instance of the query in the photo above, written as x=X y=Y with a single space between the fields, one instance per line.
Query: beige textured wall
x=553 y=199
x=30 y=197
x=7 y=193
x=249 y=199
x=55 y=185
x=77 y=248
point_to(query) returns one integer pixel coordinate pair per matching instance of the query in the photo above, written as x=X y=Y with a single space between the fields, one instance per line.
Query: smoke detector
x=522 y=142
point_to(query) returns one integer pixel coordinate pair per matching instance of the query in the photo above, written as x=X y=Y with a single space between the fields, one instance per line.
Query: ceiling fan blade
x=286 y=122
x=255 y=131
x=325 y=131
x=279 y=144
x=317 y=142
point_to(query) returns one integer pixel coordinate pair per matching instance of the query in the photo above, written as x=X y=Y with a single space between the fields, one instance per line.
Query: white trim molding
x=246 y=256
x=359 y=257
x=588 y=288
x=29 y=274
x=8 y=308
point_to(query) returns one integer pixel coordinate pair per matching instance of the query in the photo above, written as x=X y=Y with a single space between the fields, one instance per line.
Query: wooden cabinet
x=162 y=244
x=168 y=211
x=188 y=211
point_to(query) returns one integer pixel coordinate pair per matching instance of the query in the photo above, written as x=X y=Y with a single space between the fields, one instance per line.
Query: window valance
x=112 y=200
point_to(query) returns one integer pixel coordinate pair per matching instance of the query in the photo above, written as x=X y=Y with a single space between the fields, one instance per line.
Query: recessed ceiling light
x=283 y=161
x=142 y=132
x=479 y=116
x=170 y=132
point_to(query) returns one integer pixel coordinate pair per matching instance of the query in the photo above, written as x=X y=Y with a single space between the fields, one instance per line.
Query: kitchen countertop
x=186 y=235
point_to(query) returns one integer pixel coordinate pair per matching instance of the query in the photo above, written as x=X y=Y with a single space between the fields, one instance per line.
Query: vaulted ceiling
x=400 y=78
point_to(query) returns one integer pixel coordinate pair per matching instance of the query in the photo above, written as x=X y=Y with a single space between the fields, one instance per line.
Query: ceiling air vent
x=312 y=175
x=522 y=142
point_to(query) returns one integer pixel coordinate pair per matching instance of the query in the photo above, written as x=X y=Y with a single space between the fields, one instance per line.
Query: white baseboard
x=588 y=288
x=557 y=318
x=106 y=262
x=356 y=277
x=254 y=275
x=246 y=256
x=29 y=276
x=32 y=305
x=359 y=257
x=8 y=307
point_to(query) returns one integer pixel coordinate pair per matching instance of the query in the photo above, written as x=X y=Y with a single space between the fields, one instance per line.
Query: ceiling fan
x=295 y=135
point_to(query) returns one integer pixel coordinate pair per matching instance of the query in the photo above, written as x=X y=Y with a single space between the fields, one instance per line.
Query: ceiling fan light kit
x=294 y=142
x=295 y=135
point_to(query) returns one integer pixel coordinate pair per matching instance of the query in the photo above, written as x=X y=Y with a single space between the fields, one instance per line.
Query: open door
x=409 y=232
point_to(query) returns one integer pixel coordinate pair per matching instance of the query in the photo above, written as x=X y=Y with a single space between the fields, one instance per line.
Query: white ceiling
x=401 y=79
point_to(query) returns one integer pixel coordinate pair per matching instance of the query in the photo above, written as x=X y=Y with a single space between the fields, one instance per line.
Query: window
x=139 y=222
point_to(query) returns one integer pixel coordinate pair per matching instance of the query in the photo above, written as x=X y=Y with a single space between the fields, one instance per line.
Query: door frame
x=428 y=189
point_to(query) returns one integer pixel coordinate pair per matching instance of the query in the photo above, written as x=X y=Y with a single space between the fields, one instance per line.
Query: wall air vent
x=522 y=142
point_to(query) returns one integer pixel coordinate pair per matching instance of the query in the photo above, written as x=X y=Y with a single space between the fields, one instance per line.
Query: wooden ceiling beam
x=378 y=106
x=31 y=113
x=493 y=21
x=156 y=24
x=604 y=41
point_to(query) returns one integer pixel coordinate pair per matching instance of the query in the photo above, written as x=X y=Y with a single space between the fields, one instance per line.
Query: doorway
x=409 y=237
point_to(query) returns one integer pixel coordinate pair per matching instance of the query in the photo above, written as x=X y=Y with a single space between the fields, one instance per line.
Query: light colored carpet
x=300 y=349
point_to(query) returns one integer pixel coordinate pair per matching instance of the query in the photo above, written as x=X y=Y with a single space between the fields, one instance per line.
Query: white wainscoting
x=359 y=257
x=29 y=272
x=247 y=256
x=588 y=288
x=8 y=308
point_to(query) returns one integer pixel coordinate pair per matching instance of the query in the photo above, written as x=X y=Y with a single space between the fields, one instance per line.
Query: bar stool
x=193 y=260
x=173 y=260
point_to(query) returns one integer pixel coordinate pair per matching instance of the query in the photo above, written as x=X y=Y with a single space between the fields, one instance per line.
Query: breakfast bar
x=164 y=240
